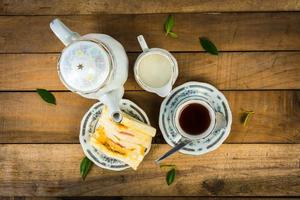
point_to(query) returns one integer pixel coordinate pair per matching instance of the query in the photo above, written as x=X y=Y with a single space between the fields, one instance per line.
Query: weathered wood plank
x=233 y=169
x=229 y=31
x=38 y=198
x=206 y=197
x=69 y=7
x=144 y=198
x=201 y=198
x=25 y=118
x=229 y=71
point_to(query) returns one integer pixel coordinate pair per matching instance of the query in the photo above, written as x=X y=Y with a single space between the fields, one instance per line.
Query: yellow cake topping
x=125 y=141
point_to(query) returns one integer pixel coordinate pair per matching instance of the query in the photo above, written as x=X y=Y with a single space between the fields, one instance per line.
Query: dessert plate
x=189 y=91
x=89 y=123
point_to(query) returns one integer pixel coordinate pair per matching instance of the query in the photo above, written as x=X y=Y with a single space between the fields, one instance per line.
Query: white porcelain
x=90 y=122
x=94 y=65
x=202 y=93
x=166 y=89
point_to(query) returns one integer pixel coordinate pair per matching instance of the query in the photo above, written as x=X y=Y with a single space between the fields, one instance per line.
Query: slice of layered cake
x=126 y=141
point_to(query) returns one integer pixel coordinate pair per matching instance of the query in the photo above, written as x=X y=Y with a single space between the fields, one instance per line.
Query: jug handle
x=63 y=33
x=142 y=42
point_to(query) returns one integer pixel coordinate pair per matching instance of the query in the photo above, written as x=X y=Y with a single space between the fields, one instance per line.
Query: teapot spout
x=112 y=101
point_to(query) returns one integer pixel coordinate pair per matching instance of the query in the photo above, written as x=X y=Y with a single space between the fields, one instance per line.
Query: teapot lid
x=84 y=66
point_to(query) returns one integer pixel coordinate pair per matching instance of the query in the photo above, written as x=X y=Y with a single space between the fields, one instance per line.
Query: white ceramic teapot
x=94 y=66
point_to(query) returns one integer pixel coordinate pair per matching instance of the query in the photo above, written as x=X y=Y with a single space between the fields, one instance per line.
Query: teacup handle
x=142 y=42
x=220 y=121
x=220 y=124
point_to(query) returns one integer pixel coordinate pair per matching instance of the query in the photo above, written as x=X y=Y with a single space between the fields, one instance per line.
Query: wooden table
x=258 y=69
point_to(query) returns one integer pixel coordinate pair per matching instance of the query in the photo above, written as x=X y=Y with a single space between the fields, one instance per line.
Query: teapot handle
x=63 y=33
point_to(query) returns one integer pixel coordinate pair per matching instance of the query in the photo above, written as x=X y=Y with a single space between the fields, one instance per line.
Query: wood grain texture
x=193 y=198
x=145 y=198
x=229 y=71
x=38 y=198
x=25 y=118
x=69 y=7
x=229 y=31
x=233 y=169
x=198 y=198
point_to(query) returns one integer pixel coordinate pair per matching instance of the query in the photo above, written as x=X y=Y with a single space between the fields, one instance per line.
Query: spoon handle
x=173 y=150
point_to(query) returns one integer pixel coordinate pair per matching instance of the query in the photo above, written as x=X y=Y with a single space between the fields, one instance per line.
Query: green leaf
x=208 y=46
x=173 y=35
x=46 y=96
x=85 y=167
x=245 y=117
x=169 y=24
x=170 y=176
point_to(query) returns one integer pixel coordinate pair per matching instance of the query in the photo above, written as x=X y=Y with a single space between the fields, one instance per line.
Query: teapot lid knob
x=84 y=66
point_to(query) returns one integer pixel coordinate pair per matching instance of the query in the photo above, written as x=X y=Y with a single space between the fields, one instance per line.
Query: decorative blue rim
x=88 y=126
x=189 y=91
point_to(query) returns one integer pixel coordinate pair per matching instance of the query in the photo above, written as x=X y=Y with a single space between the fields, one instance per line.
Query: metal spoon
x=173 y=150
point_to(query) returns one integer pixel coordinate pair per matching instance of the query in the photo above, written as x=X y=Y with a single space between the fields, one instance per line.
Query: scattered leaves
x=169 y=24
x=208 y=46
x=245 y=116
x=85 y=167
x=46 y=96
x=171 y=176
x=173 y=35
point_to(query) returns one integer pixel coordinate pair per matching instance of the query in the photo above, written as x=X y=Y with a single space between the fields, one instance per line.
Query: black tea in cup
x=194 y=119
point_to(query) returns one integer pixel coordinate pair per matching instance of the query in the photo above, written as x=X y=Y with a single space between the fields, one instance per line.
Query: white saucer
x=188 y=91
x=90 y=122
